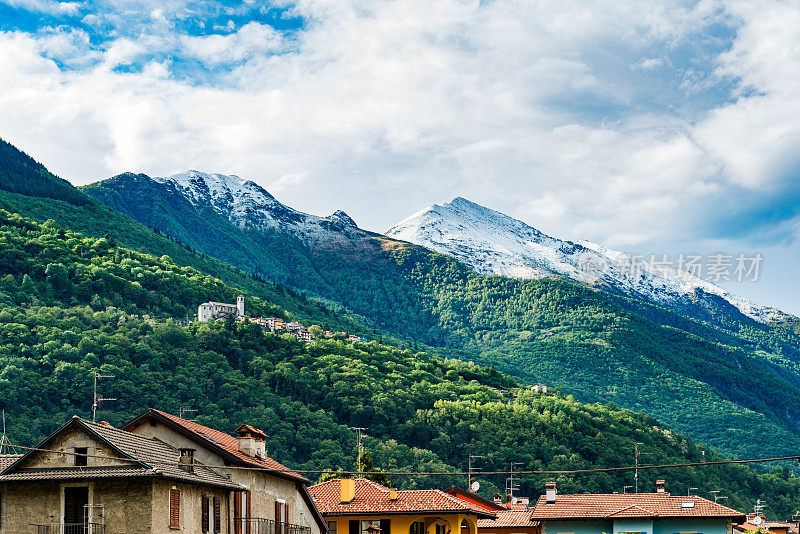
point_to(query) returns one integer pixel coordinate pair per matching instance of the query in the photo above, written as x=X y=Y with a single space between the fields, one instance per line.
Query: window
x=81 y=456
x=441 y=529
x=217 y=513
x=333 y=527
x=174 y=508
x=204 y=513
x=366 y=524
x=417 y=527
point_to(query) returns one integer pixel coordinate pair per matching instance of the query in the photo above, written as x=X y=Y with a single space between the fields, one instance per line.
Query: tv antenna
x=510 y=486
x=5 y=444
x=470 y=469
x=717 y=497
x=183 y=410
x=359 y=443
x=689 y=491
x=97 y=399
x=636 y=454
x=625 y=489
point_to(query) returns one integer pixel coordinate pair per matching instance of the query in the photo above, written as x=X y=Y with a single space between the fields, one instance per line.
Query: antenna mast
x=5 y=444
x=359 y=445
x=186 y=410
x=97 y=399
x=470 y=469
x=510 y=486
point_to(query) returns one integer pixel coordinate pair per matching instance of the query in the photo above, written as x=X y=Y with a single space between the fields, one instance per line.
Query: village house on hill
x=158 y=474
x=360 y=506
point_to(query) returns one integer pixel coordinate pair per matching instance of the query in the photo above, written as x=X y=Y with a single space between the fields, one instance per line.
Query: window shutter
x=174 y=508
x=217 y=515
x=237 y=512
x=277 y=512
x=286 y=512
x=248 y=495
x=204 y=513
x=354 y=527
x=386 y=526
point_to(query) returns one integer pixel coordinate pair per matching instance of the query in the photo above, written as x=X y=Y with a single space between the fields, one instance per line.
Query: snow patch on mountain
x=494 y=243
x=249 y=206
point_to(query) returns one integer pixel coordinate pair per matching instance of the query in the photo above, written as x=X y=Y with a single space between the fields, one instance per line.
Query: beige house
x=100 y=479
x=271 y=498
x=158 y=474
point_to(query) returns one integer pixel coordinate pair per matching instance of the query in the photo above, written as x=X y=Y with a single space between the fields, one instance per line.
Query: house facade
x=640 y=513
x=512 y=516
x=360 y=506
x=269 y=499
x=93 y=478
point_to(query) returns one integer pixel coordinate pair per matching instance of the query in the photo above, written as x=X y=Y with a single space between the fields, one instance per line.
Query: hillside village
x=208 y=311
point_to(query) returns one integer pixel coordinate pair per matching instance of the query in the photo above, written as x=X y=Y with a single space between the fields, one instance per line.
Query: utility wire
x=446 y=473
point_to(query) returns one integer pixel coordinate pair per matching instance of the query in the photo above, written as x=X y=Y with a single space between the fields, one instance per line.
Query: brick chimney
x=660 y=486
x=550 y=492
x=348 y=490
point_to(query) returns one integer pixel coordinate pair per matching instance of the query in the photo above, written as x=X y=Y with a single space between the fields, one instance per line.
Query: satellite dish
x=475 y=486
x=756 y=520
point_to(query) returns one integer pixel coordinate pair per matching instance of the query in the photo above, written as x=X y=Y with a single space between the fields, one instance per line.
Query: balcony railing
x=257 y=525
x=70 y=528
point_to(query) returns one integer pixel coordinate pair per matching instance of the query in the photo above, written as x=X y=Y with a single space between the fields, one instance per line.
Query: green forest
x=72 y=304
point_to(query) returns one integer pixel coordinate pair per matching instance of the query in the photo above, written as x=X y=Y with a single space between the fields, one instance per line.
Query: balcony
x=257 y=525
x=70 y=528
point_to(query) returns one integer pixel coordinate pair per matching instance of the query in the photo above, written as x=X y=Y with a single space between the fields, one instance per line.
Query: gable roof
x=630 y=505
x=474 y=498
x=223 y=444
x=145 y=458
x=372 y=498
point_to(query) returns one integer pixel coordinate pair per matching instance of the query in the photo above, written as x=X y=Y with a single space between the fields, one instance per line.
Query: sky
x=655 y=127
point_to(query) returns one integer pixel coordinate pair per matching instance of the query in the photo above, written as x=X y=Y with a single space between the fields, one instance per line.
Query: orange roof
x=517 y=517
x=631 y=505
x=372 y=498
x=214 y=440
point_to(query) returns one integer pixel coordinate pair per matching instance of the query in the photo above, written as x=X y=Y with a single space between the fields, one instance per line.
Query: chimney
x=248 y=438
x=261 y=448
x=348 y=490
x=498 y=499
x=550 y=492
x=392 y=494
x=186 y=460
x=660 y=484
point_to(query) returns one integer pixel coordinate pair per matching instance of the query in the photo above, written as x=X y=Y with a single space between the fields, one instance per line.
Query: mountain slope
x=494 y=243
x=737 y=389
x=424 y=413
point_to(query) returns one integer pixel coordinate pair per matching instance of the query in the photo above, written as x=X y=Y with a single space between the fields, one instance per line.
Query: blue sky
x=652 y=127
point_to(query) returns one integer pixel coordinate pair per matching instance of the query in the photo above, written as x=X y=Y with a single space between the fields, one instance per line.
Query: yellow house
x=360 y=506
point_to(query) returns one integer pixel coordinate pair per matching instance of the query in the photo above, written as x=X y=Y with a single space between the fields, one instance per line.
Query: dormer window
x=81 y=456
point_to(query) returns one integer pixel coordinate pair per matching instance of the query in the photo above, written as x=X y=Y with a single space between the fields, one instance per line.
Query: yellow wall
x=401 y=524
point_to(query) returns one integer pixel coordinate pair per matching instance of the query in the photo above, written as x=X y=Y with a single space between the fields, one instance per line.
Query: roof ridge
x=632 y=506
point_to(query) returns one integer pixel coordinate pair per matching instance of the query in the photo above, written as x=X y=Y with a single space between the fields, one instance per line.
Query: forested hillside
x=72 y=303
x=732 y=383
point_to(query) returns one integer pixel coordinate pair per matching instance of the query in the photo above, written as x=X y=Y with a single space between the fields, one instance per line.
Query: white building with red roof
x=273 y=498
x=639 y=513
x=360 y=506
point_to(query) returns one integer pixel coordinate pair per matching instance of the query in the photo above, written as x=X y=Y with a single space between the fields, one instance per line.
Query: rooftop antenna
x=96 y=398
x=625 y=489
x=510 y=486
x=5 y=444
x=636 y=454
x=470 y=469
x=183 y=410
x=689 y=491
x=359 y=443
x=717 y=497
x=759 y=507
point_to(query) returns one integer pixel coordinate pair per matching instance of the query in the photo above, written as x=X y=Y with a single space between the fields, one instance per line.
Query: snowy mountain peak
x=248 y=205
x=494 y=243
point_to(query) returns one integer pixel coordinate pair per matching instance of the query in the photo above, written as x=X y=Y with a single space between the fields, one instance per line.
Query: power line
x=455 y=473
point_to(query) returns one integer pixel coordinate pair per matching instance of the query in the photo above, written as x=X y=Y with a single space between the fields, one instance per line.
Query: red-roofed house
x=360 y=506
x=512 y=517
x=639 y=513
x=274 y=498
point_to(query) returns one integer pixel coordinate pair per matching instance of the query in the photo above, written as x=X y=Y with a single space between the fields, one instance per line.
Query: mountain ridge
x=494 y=243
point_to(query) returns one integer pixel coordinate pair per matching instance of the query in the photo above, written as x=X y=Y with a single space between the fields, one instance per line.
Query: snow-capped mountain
x=494 y=243
x=249 y=206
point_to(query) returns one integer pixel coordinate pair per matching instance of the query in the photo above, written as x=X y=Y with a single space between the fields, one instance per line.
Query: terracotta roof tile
x=619 y=505
x=509 y=518
x=229 y=444
x=373 y=498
